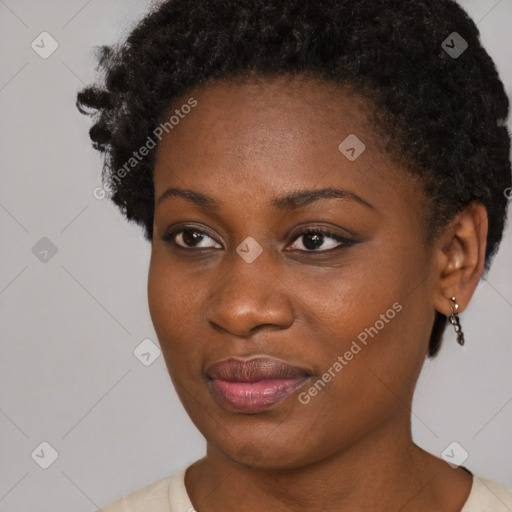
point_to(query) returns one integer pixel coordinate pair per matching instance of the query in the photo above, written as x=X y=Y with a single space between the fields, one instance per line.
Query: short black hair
x=440 y=104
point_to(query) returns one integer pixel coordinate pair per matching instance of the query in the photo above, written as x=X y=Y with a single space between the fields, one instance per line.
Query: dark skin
x=350 y=447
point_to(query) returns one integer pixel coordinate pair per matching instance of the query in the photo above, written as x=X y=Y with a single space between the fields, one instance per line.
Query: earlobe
x=460 y=250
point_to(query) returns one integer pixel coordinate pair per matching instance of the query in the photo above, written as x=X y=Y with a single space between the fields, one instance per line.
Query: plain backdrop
x=73 y=293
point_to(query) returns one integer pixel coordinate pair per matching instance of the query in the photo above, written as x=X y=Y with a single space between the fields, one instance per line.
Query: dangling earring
x=454 y=320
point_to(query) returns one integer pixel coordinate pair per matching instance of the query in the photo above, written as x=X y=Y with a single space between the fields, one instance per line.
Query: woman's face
x=281 y=259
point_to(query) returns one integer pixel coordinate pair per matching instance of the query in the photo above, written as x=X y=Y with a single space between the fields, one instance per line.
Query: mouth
x=254 y=385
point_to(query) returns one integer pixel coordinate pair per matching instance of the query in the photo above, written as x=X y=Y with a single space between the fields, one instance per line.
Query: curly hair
x=441 y=114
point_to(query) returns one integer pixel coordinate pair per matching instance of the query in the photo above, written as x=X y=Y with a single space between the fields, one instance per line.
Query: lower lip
x=254 y=396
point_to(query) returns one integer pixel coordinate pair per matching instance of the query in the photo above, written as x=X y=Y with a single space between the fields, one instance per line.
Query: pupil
x=191 y=237
x=312 y=241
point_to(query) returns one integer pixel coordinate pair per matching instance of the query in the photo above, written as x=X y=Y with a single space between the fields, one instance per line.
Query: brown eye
x=189 y=238
x=319 y=241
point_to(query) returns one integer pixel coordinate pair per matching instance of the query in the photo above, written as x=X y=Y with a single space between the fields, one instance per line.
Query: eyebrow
x=304 y=197
x=291 y=201
x=206 y=202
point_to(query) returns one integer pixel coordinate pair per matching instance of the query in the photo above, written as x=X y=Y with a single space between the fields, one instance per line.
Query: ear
x=460 y=256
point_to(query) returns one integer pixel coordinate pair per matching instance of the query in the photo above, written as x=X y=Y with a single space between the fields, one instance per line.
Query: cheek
x=161 y=297
x=375 y=314
x=366 y=373
x=172 y=295
x=345 y=300
x=171 y=306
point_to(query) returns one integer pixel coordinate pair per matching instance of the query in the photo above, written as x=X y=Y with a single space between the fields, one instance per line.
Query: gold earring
x=454 y=320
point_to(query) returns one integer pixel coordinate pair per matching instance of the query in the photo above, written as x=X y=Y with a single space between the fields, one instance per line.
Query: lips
x=254 y=385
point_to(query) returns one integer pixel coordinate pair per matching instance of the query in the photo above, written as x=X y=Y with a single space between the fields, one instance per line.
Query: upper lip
x=253 y=370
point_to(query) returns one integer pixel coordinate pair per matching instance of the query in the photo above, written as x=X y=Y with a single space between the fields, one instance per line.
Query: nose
x=250 y=296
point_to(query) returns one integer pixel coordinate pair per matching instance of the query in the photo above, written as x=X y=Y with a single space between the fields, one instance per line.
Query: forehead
x=270 y=111
x=267 y=135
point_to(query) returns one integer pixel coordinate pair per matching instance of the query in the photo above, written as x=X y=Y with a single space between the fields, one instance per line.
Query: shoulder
x=488 y=496
x=157 y=496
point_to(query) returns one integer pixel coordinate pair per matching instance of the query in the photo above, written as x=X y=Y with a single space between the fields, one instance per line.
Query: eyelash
x=169 y=236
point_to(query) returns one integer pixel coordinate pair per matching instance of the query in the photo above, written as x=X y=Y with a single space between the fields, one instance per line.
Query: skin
x=350 y=447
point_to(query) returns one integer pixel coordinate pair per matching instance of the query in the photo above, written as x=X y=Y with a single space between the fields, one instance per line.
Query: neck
x=382 y=470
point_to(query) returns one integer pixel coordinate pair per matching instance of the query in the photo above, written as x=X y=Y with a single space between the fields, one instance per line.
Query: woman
x=323 y=184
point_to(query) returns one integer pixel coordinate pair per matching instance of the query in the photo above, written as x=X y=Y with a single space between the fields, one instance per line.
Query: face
x=289 y=282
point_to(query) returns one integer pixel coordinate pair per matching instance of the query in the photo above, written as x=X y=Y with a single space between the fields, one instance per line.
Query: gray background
x=68 y=375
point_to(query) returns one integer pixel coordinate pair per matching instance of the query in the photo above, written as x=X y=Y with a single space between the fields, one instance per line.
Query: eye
x=190 y=238
x=313 y=240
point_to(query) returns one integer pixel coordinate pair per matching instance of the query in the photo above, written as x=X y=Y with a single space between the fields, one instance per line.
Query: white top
x=170 y=495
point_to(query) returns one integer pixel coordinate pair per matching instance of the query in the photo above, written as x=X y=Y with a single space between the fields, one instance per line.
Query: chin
x=268 y=457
